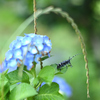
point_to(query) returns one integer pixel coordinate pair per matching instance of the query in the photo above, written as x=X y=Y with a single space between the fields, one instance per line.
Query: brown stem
x=34 y=9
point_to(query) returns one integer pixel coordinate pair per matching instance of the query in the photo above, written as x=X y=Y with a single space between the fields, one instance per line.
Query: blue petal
x=28 y=63
x=18 y=54
x=29 y=66
x=47 y=41
x=12 y=44
x=19 y=38
x=48 y=54
x=12 y=64
x=17 y=45
x=4 y=64
x=8 y=55
x=26 y=40
x=39 y=47
x=29 y=58
x=29 y=55
x=37 y=58
x=3 y=67
x=38 y=39
x=46 y=49
x=30 y=35
x=33 y=50
x=24 y=50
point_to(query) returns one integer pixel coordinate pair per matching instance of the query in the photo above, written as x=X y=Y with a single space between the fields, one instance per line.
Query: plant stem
x=34 y=71
x=41 y=64
x=34 y=9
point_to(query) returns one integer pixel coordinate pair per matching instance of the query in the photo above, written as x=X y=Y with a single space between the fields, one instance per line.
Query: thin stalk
x=34 y=6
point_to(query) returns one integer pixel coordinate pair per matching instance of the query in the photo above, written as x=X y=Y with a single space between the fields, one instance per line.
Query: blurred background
x=65 y=43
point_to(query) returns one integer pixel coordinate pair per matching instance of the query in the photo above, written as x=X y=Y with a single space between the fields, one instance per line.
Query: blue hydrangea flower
x=25 y=50
x=64 y=87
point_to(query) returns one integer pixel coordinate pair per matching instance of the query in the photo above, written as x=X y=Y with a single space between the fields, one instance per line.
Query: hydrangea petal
x=24 y=50
x=30 y=35
x=12 y=44
x=26 y=40
x=47 y=41
x=18 y=54
x=19 y=38
x=37 y=58
x=3 y=66
x=38 y=39
x=12 y=63
x=28 y=63
x=17 y=45
x=33 y=50
x=29 y=55
x=39 y=47
x=8 y=55
x=46 y=49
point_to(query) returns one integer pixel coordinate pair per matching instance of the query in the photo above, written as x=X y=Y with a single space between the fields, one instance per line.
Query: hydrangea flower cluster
x=25 y=50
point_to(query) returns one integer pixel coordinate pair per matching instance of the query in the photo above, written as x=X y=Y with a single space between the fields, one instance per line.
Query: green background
x=65 y=43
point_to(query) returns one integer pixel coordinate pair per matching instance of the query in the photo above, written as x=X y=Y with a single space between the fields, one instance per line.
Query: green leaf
x=13 y=86
x=51 y=92
x=4 y=73
x=46 y=74
x=4 y=87
x=58 y=71
x=35 y=82
x=14 y=78
x=22 y=91
x=53 y=88
x=3 y=81
x=45 y=57
x=30 y=98
x=31 y=73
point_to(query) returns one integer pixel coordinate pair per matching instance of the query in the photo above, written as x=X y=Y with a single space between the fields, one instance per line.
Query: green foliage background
x=86 y=13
